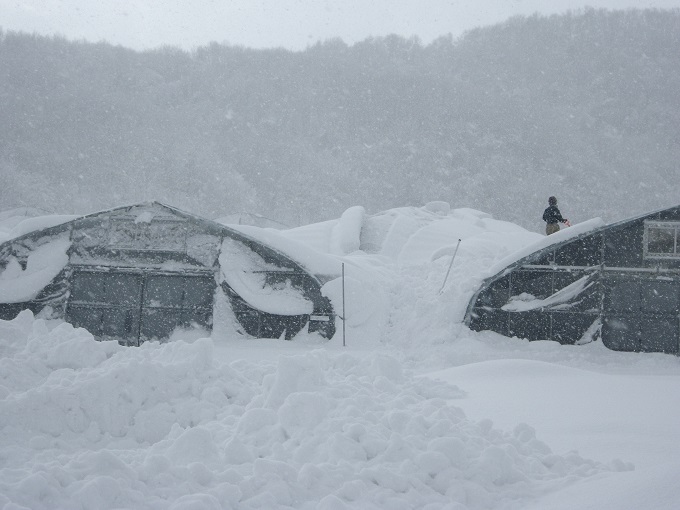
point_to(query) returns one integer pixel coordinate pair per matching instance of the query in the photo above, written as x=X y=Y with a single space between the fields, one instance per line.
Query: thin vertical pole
x=343 y=305
x=142 y=288
x=450 y=265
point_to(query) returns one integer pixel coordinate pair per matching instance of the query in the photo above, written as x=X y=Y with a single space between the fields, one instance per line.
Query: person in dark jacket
x=552 y=217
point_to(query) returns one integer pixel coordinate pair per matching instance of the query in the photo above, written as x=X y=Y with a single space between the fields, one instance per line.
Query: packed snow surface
x=415 y=411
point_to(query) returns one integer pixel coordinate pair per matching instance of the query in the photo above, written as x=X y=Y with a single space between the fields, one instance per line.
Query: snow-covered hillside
x=415 y=411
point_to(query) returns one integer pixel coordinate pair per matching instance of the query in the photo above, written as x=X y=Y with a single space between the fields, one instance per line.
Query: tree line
x=583 y=105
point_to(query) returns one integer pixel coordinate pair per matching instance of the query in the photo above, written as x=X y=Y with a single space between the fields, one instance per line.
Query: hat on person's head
x=552 y=201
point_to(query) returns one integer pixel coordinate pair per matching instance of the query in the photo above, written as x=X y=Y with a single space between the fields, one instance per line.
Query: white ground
x=416 y=411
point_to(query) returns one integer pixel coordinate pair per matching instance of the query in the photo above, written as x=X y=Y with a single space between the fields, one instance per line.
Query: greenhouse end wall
x=620 y=283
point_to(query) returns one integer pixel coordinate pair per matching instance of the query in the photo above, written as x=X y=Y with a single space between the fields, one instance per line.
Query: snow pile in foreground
x=95 y=425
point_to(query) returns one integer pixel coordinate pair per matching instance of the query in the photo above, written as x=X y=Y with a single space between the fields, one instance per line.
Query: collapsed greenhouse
x=137 y=273
x=618 y=282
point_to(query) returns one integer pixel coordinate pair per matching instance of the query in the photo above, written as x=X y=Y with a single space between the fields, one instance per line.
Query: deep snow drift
x=416 y=411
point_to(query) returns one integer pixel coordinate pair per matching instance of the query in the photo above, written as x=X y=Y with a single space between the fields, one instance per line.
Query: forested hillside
x=585 y=106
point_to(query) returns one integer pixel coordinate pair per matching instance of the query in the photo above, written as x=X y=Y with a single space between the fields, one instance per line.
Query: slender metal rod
x=450 y=265
x=343 y=305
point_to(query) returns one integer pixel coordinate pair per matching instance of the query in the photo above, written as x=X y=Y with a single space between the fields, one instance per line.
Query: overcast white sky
x=292 y=24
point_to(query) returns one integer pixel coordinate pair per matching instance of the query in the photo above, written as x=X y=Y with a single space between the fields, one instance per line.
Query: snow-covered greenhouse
x=620 y=282
x=139 y=272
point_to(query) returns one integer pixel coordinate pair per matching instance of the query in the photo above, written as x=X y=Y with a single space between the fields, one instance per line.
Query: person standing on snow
x=552 y=216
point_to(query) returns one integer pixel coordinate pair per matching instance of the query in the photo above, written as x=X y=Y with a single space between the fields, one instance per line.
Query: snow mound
x=95 y=425
x=391 y=281
x=346 y=233
x=335 y=237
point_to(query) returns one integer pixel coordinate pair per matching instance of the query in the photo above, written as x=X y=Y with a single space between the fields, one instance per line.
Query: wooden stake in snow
x=450 y=265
